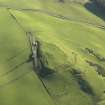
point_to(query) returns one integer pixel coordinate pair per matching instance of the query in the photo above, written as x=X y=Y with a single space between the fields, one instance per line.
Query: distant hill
x=101 y=2
x=77 y=1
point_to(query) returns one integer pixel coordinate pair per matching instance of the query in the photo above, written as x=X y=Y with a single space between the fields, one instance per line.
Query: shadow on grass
x=45 y=71
x=95 y=9
x=84 y=85
x=95 y=54
x=99 y=69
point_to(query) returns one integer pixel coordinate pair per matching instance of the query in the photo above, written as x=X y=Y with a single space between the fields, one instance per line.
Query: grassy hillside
x=72 y=40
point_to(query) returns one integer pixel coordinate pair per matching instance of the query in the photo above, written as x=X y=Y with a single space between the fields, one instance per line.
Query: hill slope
x=72 y=40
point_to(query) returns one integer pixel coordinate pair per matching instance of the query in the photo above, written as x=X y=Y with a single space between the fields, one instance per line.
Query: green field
x=72 y=40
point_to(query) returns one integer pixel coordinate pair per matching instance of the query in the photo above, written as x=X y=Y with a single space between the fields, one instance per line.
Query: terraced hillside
x=72 y=37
